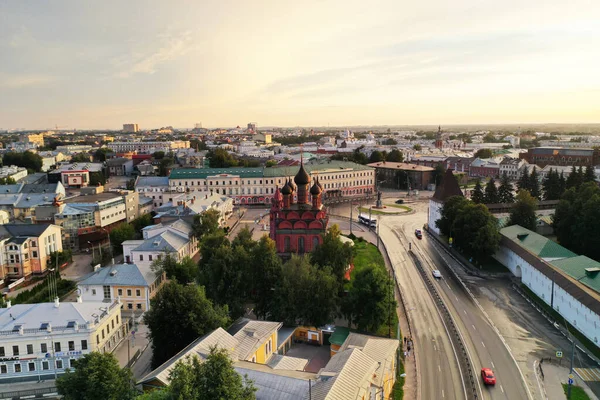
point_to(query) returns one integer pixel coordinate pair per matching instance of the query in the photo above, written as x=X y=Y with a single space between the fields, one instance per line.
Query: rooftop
x=203 y=173
x=121 y=275
x=537 y=244
x=152 y=181
x=400 y=166
x=93 y=198
x=581 y=268
x=448 y=188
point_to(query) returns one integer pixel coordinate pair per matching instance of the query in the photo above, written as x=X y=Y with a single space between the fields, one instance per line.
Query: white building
x=41 y=340
x=13 y=172
x=155 y=187
x=511 y=167
x=148 y=147
x=568 y=283
x=74 y=148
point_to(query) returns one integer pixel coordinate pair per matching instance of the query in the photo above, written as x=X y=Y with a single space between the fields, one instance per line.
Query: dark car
x=418 y=233
x=399 y=201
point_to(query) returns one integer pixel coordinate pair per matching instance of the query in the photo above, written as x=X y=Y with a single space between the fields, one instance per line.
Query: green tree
x=390 y=142
x=376 y=156
x=264 y=275
x=306 y=294
x=505 y=191
x=143 y=221
x=158 y=155
x=452 y=207
x=97 y=178
x=333 y=253
x=523 y=211
x=178 y=315
x=131 y=184
x=100 y=154
x=270 y=163
x=589 y=175
x=523 y=182
x=551 y=186
x=562 y=183
x=120 y=234
x=417 y=147
x=215 y=378
x=27 y=159
x=157 y=394
x=7 y=181
x=484 y=153
x=211 y=243
x=369 y=300
x=206 y=223
x=575 y=220
x=165 y=166
x=534 y=184
x=244 y=239
x=437 y=174
x=97 y=376
x=477 y=195
x=395 y=156
x=184 y=271
x=220 y=158
x=491 y=193
x=81 y=157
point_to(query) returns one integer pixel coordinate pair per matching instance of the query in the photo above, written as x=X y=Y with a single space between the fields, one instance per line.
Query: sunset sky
x=100 y=64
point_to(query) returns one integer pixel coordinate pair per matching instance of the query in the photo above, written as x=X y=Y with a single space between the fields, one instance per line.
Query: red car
x=488 y=376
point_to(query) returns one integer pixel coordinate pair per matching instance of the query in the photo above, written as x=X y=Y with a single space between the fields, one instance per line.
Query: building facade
x=403 y=175
x=542 y=156
x=130 y=128
x=148 y=147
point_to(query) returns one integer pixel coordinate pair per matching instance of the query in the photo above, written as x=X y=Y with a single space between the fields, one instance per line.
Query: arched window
x=286 y=243
x=301 y=245
x=315 y=242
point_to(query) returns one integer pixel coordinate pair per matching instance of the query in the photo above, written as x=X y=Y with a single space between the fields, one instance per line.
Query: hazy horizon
x=84 y=65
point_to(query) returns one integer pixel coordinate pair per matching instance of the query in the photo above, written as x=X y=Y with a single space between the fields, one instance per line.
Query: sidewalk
x=554 y=377
x=128 y=348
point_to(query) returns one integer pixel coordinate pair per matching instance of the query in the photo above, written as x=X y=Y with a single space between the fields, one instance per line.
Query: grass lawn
x=406 y=208
x=577 y=393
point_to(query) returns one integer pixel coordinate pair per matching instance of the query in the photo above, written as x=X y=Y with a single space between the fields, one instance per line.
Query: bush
x=41 y=294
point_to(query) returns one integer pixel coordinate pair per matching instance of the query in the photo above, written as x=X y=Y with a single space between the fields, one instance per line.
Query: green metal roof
x=339 y=335
x=535 y=243
x=202 y=173
x=582 y=269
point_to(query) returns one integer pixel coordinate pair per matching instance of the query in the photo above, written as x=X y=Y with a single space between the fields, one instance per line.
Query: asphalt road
x=486 y=348
x=438 y=369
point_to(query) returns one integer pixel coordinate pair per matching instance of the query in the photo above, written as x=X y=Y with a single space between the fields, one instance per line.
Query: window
x=34 y=254
x=150 y=257
x=120 y=291
x=130 y=306
x=15 y=350
x=59 y=364
x=71 y=345
x=33 y=243
x=17 y=368
x=31 y=366
x=141 y=257
x=107 y=329
x=2 y=353
x=93 y=292
x=106 y=290
x=112 y=323
x=129 y=292
x=97 y=339
x=84 y=345
x=29 y=349
x=138 y=292
x=57 y=347
x=139 y=306
x=102 y=334
x=117 y=319
x=44 y=347
x=45 y=365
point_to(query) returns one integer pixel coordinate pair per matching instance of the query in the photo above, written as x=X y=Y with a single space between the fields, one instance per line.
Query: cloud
x=26 y=81
x=171 y=46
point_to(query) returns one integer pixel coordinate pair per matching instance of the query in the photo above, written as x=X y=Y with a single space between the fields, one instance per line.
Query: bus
x=365 y=220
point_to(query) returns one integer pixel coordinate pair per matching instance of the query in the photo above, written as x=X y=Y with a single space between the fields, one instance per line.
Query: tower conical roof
x=315 y=189
x=286 y=190
x=302 y=177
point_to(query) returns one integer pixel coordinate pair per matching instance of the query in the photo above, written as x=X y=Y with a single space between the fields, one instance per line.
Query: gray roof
x=50 y=188
x=115 y=162
x=165 y=242
x=16 y=188
x=120 y=275
x=33 y=230
x=28 y=200
x=250 y=335
x=275 y=387
x=152 y=181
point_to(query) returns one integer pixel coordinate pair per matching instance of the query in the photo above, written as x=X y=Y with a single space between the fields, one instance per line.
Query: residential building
x=429 y=161
x=145 y=168
x=131 y=128
x=25 y=249
x=484 y=168
x=511 y=167
x=148 y=147
x=42 y=340
x=568 y=283
x=134 y=285
x=402 y=175
x=74 y=148
x=187 y=204
x=75 y=175
x=119 y=166
x=155 y=187
x=36 y=139
x=14 y=172
x=449 y=187
x=459 y=164
x=172 y=237
x=297 y=226
x=542 y=156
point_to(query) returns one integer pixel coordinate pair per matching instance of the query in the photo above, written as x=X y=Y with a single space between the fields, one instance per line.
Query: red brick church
x=297 y=225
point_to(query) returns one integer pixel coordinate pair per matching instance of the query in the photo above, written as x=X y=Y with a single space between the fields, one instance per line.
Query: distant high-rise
x=130 y=128
x=198 y=125
x=252 y=126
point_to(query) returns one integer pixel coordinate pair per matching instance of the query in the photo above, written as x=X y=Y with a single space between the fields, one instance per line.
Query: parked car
x=436 y=274
x=488 y=376
x=418 y=233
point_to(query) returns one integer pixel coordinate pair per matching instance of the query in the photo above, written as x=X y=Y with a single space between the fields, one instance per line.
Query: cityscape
x=299 y=201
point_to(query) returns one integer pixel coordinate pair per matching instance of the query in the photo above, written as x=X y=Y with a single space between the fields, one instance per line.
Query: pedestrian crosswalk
x=588 y=374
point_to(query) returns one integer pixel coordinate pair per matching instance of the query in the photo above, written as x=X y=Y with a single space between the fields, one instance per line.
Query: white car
x=436 y=274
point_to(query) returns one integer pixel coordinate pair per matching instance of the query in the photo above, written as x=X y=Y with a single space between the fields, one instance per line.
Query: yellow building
x=33 y=138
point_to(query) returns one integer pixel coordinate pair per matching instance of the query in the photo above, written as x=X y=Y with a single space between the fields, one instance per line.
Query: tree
x=306 y=294
x=417 y=147
x=270 y=163
x=7 y=181
x=206 y=223
x=491 y=193
x=376 y=156
x=120 y=234
x=184 y=271
x=131 y=184
x=505 y=191
x=562 y=183
x=452 y=207
x=96 y=376
x=81 y=157
x=395 y=156
x=484 y=153
x=575 y=220
x=437 y=174
x=477 y=195
x=178 y=315
x=523 y=211
x=534 y=184
x=551 y=186
x=220 y=158
x=158 y=155
x=589 y=175
x=390 y=142
x=264 y=275
x=369 y=299
x=97 y=179
x=165 y=166
x=523 y=182
x=215 y=378
x=100 y=154
x=333 y=253
x=27 y=159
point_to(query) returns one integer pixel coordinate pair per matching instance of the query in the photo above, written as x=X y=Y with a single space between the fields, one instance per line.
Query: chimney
x=56 y=302
x=8 y=304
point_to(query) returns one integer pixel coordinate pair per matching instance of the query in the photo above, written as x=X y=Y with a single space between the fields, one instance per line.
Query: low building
x=42 y=340
x=148 y=147
x=511 y=167
x=484 y=168
x=542 y=156
x=14 y=172
x=119 y=166
x=74 y=148
x=182 y=205
x=568 y=283
x=76 y=174
x=134 y=285
x=25 y=249
x=155 y=187
x=402 y=175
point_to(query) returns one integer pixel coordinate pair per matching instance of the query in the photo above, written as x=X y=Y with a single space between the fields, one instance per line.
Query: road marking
x=588 y=374
x=501 y=388
x=443 y=393
x=491 y=362
x=465 y=311
x=447 y=285
x=434 y=347
x=456 y=298
x=483 y=344
x=473 y=327
x=440 y=368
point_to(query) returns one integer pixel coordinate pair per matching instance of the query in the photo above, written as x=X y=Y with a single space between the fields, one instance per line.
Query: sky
x=100 y=64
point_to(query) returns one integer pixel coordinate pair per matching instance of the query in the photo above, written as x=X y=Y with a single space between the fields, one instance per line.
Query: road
x=485 y=346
